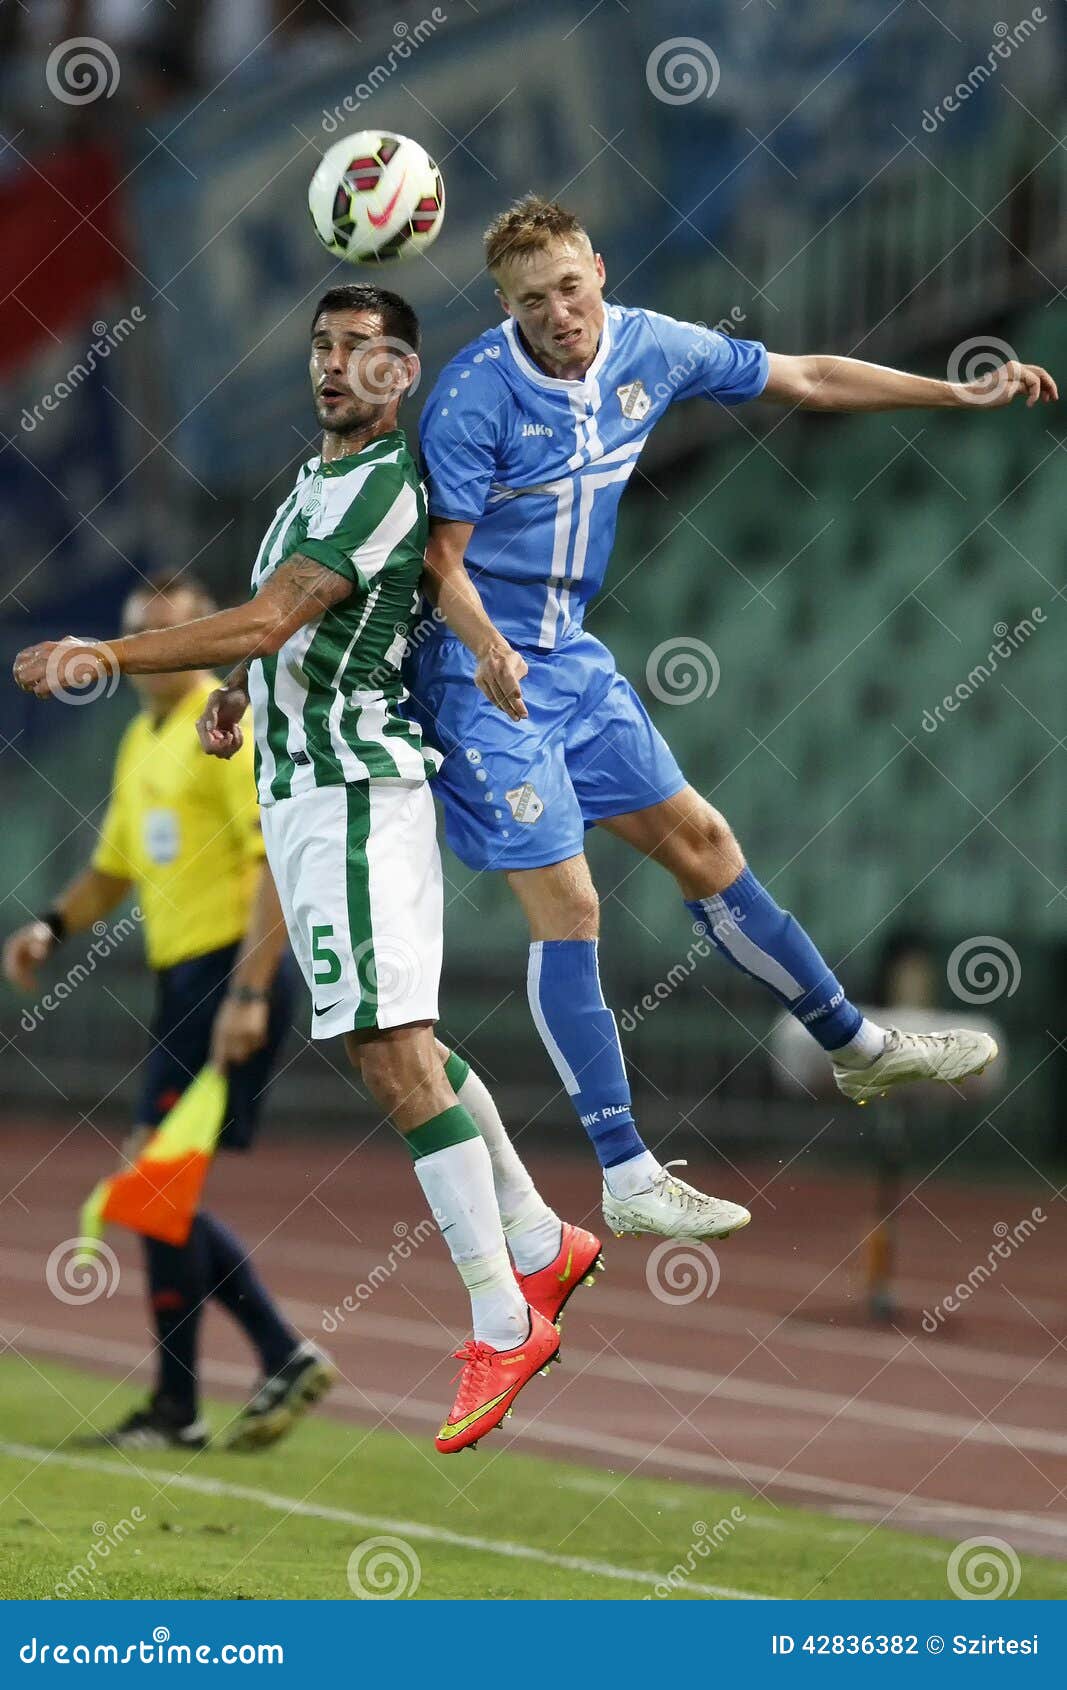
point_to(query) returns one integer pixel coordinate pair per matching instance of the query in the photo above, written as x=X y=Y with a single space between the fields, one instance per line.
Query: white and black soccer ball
x=376 y=197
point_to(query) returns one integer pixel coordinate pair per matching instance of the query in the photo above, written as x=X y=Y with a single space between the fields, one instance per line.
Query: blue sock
x=233 y=1282
x=748 y=928
x=579 y=1032
x=177 y=1288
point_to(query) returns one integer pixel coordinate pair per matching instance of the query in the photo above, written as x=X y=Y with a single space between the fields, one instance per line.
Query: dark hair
x=399 y=321
x=168 y=583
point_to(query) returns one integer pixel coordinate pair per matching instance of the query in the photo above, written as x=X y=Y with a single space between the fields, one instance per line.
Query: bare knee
x=704 y=855
x=560 y=901
x=403 y=1072
x=386 y=1069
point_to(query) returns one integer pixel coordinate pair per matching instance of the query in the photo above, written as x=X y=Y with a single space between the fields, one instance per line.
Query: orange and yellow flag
x=160 y=1194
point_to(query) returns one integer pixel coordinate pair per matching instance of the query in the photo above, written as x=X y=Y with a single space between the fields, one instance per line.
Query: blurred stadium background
x=802 y=179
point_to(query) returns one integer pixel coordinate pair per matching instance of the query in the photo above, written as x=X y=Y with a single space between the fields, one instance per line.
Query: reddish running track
x=755 y=1369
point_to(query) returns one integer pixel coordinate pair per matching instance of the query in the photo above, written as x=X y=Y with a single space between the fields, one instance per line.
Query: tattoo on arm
x=302 y=588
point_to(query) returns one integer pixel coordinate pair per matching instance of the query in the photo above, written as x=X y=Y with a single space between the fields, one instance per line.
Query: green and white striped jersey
x=325 y=708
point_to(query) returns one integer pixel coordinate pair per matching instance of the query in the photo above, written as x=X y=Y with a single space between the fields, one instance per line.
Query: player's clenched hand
x=56 y=668
x=24 y=953
x=498 y=674
x=239 y=1029
x=219 y=726
x=1003 y=385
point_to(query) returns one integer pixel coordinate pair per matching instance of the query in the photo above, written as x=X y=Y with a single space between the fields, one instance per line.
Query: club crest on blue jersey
x=634 y=399
x=537 y=464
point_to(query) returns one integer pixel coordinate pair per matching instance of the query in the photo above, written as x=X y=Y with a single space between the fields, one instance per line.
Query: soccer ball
x=376 y=197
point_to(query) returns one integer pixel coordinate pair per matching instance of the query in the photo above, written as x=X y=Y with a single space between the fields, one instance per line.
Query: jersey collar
x=382 y=443
x=554 y=383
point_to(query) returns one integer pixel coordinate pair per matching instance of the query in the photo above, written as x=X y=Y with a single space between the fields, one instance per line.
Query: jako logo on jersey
x=535 y=428
x=634 y=399
x=524 y=803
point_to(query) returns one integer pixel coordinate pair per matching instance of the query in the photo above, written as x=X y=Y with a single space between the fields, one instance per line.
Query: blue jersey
x=538 y=465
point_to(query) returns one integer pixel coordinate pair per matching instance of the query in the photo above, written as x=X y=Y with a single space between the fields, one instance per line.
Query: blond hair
x=526 y=227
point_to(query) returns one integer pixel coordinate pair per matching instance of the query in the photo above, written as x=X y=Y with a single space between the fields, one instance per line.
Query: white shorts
x=358 y=873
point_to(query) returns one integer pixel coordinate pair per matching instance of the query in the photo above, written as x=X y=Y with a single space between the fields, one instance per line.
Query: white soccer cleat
x=917 y=1056
x=672 y=1209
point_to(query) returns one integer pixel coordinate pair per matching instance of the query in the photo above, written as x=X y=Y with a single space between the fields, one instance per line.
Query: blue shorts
x=187 y=999
x=521 y=794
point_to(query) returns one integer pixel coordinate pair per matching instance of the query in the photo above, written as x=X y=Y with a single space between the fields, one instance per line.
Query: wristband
x=247 y=994
x=56 y=924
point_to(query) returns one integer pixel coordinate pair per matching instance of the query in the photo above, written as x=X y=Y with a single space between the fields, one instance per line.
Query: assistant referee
x=182 y=832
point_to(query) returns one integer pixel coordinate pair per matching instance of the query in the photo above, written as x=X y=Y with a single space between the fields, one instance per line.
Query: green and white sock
x=452 y=1165
x=533 y=1230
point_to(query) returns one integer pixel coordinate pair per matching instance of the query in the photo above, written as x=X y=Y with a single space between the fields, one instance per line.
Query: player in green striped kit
x=348 y=821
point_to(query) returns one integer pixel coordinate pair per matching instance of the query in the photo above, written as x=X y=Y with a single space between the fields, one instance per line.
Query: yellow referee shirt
x=184 y=827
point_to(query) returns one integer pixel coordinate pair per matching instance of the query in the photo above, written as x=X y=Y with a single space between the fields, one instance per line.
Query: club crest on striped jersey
x=635 y=401
x=524 y=803
x=313 y=502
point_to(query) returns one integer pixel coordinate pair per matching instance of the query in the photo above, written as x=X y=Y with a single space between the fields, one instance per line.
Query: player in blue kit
x=528 y=440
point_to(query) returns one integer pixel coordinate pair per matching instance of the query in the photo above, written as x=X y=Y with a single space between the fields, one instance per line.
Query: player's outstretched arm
x=298 y=591
x=826 y=383
x=450 y=588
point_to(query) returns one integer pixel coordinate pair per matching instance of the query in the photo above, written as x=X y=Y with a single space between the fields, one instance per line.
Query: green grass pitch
x=287 y=1522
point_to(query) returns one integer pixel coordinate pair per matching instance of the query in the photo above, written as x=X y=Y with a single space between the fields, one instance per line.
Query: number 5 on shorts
x=324 y=958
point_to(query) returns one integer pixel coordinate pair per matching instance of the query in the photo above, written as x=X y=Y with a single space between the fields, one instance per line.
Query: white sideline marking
x=557 y=1434
x=416 y=1529
x=856 y=1535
